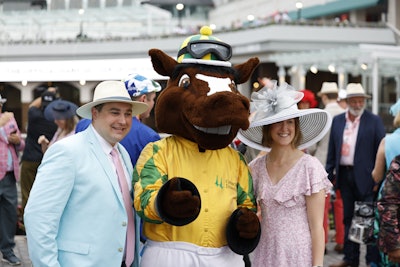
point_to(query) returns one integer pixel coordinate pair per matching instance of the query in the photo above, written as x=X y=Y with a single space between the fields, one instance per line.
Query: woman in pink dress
x=290 y=185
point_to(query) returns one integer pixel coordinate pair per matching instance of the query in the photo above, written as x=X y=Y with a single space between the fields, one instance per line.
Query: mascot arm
x=244 y=230
x=245 y=190
x=148 y=178
x=157 y=199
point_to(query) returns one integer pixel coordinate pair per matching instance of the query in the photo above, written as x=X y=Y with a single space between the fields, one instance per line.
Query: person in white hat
x=353 y=144
x=79 y=212
x=141 y=89
x=329 y=94
x=11 y=144
x=290 y=185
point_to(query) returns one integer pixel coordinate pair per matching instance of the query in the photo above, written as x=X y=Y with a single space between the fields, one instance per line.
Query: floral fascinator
x=279 y=103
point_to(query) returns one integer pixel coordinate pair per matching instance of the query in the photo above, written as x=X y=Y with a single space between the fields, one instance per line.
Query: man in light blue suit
x=75 y=214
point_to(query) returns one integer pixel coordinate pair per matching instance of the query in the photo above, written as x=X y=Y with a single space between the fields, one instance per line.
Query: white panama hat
x=355 y=90
x=328 y=88
x=279 y=104
x=111 y=91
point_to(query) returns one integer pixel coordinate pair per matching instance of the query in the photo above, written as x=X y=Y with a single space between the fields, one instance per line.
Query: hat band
x=113 y=98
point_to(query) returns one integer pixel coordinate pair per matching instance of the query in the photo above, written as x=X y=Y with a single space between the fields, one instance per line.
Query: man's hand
x=14 y=139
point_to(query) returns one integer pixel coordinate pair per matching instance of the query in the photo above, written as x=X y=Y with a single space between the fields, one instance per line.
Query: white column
x=375 y=88
x=341 y=78
x=66 y=2
x=48 y=3
x=397 y=79
x=281 y=75
x=302 y=78
x=84 y=4
x=26 y=91
x=102 y=4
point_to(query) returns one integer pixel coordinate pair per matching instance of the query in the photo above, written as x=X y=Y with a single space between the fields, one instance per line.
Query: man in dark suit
x=353 y=143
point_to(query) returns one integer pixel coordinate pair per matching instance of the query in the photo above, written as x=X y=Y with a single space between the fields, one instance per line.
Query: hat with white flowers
x=272 y=105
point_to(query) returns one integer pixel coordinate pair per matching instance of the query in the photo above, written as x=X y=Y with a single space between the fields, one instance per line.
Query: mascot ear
x=162 y=63
x=246 y=69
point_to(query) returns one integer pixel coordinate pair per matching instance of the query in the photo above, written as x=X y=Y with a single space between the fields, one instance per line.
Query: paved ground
x=332 y=257
x=21 y=250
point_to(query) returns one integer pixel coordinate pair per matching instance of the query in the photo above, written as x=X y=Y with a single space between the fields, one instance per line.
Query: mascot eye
x=184 y=81
x=233 y=86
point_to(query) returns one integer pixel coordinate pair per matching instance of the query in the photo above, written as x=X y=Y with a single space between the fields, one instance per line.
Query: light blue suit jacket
x=75 y=214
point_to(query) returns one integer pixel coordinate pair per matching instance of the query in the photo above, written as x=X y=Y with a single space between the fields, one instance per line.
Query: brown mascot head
x=201 y=101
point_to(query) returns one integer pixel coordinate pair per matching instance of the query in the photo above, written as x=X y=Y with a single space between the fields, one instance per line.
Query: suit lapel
x=105 y=163
x=360 y=130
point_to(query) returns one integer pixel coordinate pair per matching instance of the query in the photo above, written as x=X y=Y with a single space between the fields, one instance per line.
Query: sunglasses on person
x=200 y=48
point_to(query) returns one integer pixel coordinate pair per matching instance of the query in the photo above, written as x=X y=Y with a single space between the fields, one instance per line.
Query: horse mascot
x=193 y=191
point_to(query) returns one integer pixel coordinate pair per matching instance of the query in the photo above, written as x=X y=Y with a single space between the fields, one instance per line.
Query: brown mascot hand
x=247 y=224
x=179 y=202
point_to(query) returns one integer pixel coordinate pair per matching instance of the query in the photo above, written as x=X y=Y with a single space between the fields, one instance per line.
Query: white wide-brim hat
x=111 y=91
x=280 y=104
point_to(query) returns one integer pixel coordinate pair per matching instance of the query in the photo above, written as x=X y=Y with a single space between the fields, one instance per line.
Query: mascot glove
x=178 y=202
x=247 y=224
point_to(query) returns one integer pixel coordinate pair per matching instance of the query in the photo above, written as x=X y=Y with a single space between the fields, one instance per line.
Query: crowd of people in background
x=352 y=161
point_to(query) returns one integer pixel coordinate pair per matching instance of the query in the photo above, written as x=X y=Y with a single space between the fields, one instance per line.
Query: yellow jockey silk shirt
x=221 y=177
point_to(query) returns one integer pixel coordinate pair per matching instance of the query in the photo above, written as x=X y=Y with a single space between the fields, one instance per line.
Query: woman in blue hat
x=63 y=114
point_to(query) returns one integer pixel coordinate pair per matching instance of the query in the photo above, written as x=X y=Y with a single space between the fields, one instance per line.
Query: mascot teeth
x=222 y=130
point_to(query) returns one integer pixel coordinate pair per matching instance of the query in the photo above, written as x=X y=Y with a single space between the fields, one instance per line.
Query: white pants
x=177 y=254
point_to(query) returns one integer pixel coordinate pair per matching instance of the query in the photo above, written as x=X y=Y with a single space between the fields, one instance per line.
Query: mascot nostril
x=193 y=191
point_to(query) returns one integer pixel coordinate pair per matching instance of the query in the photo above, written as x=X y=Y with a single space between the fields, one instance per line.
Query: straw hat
x=3 y=100
x=356 y=90
x=278 y=104
x=111 y=91
x=60 y=110
x=328 y=88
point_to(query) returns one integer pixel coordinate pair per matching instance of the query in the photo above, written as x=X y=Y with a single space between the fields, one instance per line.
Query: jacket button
x=120 y=249
x=123 y=223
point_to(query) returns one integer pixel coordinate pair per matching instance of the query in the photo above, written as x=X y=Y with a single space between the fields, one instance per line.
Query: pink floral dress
x=285 y=238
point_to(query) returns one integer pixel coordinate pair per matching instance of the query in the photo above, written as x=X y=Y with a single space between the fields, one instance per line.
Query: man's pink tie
x=130 y=234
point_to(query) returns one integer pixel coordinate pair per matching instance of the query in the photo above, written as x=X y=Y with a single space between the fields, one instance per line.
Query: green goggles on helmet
x=200 y=48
